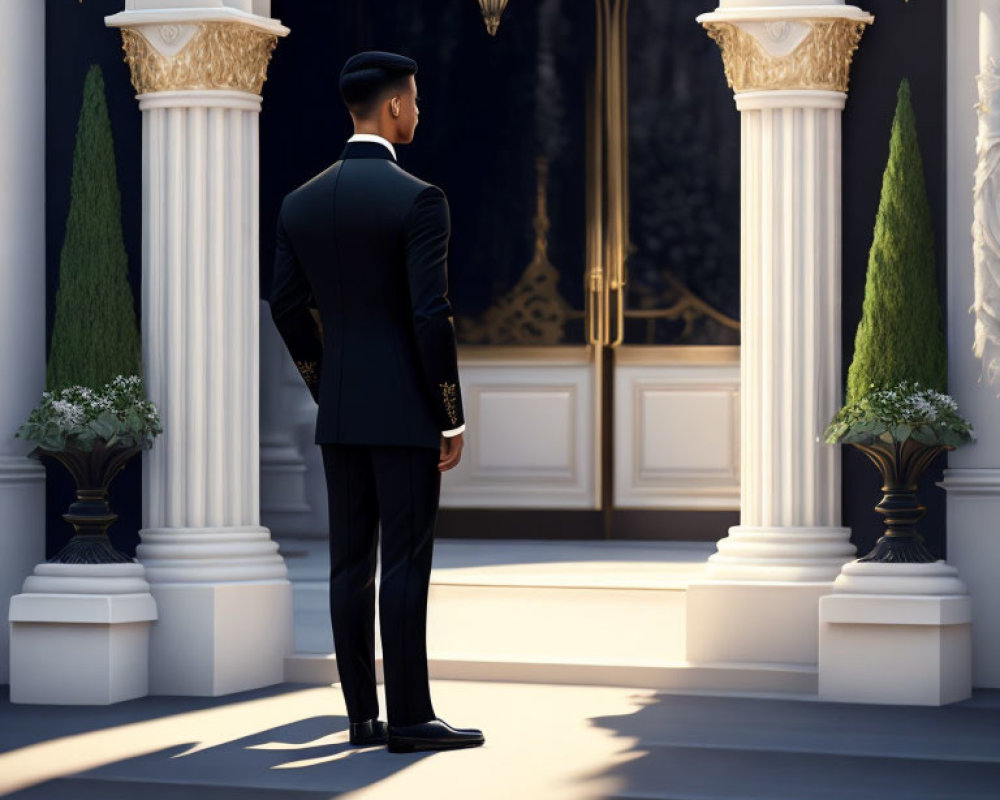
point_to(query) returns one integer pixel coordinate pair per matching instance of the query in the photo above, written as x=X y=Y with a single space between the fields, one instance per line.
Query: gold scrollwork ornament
x=822 y=60
x=220 y=55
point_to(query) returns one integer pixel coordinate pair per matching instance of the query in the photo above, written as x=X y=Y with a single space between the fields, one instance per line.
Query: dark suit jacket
x=360 y=298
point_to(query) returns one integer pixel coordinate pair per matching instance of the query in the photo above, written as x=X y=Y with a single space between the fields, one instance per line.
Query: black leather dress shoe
x=369 y=732
x=434 y=734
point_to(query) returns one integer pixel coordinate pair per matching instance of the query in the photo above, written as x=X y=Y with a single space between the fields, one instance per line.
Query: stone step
x=594 y=613
x=516 y=601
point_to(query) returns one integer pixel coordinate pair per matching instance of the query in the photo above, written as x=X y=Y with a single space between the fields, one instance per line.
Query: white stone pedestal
x=896 y=634
x=79 y=635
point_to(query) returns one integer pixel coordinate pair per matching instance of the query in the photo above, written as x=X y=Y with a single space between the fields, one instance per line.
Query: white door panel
x=676 y=431
x=531 y=430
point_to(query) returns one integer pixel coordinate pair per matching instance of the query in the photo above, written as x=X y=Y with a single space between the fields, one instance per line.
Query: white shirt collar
x=373 y=137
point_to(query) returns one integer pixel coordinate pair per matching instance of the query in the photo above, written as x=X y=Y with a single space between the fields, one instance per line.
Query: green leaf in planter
x=133 y=420
x=86 y=440
x=868 y=428
x=105 y=425
x=925 y=435
x=901 y=432
x=951 y=437
x=52 y=442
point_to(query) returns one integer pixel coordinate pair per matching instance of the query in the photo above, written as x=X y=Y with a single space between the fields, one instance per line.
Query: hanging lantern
x=492 y=11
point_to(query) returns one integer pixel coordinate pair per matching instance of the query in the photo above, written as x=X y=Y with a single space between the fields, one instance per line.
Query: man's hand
x=451 y=452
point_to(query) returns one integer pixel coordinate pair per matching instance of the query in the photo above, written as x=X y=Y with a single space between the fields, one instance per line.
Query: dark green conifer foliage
x=95 y=334
x=900 y=336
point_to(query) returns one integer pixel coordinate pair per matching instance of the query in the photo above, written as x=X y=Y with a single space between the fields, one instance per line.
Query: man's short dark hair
x=367 y=77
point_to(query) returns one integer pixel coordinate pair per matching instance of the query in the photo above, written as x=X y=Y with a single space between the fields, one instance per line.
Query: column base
x=217 y=638
x=773 y=553
x=225 y=606
x=896 y=634
x=753 y=621
x=96 y=615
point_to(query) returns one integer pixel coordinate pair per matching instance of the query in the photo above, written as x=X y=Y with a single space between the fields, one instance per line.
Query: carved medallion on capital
x=206 y=55
x=762 y=55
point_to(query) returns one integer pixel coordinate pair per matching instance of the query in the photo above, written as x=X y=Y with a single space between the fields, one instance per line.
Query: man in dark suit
x=360 y=298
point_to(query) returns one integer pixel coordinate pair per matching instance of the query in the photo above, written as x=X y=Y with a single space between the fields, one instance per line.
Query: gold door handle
x=607 y=162
x=616 y=312
x=595 y=308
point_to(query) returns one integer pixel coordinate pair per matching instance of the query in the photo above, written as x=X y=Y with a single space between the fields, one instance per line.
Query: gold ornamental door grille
x=676 y=254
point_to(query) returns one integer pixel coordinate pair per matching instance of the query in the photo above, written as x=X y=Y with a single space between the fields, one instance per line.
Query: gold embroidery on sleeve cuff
x=309 y=371
x=448 y=395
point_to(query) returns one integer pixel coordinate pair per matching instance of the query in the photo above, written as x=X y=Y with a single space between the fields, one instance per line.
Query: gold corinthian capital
x=756 y=61
x=219 y=55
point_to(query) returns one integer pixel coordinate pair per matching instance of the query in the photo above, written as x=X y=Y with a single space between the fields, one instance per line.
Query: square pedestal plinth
x=895 y=649
x=79 y=649
x=217 y=638
x=753 y=621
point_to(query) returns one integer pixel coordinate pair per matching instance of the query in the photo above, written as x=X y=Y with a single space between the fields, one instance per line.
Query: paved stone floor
x=543 y=742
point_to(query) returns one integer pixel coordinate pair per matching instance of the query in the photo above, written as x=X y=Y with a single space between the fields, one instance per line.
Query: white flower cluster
x=119 y=412
x=898 y=413
x=68 y=413
x=911 y=403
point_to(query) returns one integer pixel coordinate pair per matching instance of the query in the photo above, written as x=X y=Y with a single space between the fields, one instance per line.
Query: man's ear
x=394 y=105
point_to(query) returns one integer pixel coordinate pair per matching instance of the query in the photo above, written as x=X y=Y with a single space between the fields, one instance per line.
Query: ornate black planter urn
x=901 y=465
x=90 y=515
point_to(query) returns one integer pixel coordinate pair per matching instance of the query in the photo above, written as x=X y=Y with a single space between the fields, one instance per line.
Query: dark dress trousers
x=359 y=297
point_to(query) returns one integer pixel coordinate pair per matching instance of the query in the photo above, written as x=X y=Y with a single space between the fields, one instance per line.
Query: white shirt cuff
x=453 y=432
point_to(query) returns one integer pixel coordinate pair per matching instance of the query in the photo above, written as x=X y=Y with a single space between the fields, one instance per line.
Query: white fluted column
x=22 y=301
x=221 y=587
x=972 y=478
x=790 y=341
x=788 y=64
x=789 y=69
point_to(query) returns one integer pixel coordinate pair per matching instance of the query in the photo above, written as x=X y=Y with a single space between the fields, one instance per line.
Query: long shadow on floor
x=24 y=724
x=718 y=748
x=294 y=760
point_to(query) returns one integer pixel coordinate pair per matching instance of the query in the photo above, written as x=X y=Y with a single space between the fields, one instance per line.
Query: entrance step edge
x=798 y=681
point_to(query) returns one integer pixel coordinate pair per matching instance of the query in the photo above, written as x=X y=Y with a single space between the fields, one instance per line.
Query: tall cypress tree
x=95 y=333
x=901 y=336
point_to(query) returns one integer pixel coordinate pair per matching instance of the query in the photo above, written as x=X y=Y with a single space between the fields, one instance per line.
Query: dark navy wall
x=303 y=127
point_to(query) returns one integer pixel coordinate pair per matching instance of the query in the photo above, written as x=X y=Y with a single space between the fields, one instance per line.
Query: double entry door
x=597 y=298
